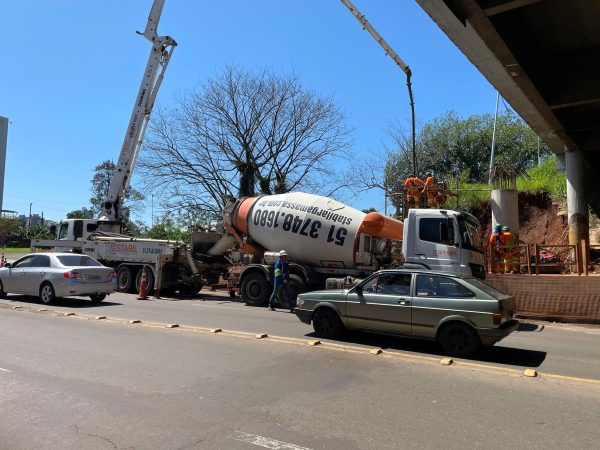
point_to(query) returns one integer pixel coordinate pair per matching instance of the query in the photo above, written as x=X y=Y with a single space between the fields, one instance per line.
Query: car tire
x=459 y=340
x=97 y=298
x=327 y=323
x=124 y=279
x=2 y=293
x=255 y=289
x=47 y=296
x=190 y=289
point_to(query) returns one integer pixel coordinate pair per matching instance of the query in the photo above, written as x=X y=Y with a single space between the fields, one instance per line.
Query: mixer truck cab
x=443 y=240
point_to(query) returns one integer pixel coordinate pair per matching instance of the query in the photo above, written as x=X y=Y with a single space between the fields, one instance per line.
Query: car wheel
x=47 y=294
x=97 y=298
x=255 y=289
x=459 y=340
x=2 y=293
x=327 y=323
x=125 y=279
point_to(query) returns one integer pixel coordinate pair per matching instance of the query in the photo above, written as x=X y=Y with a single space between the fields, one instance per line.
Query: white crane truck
x=172 y=265
x=325 y=238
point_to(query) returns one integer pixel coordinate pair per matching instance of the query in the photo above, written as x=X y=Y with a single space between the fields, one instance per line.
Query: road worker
x=496 y=252
x=413 y=185
x=511 y=251
x=430 y=191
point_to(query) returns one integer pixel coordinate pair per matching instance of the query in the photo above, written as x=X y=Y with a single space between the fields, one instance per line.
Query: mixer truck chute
x=326 y=238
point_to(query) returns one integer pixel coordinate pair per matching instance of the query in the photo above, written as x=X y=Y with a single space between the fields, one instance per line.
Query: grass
x=15 y=250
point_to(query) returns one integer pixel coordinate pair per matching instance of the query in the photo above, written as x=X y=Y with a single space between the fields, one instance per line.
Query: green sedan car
x=461 y=313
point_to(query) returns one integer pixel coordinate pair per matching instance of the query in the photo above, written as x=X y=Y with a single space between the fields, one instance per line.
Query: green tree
x=8 y=226
x=168 y=227
x=103 y=174
x=83 y=213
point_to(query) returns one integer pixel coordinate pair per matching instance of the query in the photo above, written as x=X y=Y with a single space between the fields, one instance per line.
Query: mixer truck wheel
x=296 y=286
x=255 y=289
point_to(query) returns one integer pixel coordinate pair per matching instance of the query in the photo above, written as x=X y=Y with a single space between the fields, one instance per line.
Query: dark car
x=461 y=313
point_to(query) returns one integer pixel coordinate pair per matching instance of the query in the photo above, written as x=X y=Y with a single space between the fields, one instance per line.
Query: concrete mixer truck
x=325 y=238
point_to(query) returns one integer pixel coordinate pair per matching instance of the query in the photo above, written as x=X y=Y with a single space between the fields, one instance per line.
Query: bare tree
x=242 y=133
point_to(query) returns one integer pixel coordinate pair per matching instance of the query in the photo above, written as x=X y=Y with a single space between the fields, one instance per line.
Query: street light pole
x=152 y=210
x=29 y=223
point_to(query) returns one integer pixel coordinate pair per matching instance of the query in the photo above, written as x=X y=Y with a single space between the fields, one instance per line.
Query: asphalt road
x=77 y=382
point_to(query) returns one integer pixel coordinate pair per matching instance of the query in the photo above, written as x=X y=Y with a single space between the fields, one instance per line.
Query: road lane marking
x=266 y=442
x=329 y=346
x=5 y=370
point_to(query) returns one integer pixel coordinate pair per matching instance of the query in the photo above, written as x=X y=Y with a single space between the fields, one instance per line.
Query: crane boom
x=160 y=54
x=392 y=54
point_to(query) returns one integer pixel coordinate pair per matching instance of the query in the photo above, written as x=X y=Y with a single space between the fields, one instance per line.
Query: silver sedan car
x=461 y=313
x=53 y=275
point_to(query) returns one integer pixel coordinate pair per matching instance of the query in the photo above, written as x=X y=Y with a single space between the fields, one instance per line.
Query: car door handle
x=403 y=301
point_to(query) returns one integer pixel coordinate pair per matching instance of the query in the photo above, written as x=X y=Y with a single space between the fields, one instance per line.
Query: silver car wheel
x=47 y=293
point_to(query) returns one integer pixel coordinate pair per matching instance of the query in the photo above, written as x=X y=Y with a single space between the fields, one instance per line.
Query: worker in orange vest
x=511 y=251
x=413 y=185
x=430 y=191
x=497 y=252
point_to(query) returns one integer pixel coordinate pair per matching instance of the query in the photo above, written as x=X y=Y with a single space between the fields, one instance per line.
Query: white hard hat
x=283 y=253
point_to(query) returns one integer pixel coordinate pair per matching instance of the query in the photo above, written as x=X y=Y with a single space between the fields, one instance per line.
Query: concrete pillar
x=577 y=205
x=505 y=209
x=3 y=142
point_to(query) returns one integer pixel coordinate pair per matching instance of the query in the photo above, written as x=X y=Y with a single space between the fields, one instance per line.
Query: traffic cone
x=143 y=286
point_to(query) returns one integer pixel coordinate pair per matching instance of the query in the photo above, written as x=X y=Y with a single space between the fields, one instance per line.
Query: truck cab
x=76 y=229
x=443 y=240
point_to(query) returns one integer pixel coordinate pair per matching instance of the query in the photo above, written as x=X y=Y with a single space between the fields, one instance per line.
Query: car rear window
x=488 y=289
x=77 y=261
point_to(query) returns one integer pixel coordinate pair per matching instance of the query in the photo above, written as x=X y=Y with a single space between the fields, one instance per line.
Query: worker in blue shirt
x=281 y=279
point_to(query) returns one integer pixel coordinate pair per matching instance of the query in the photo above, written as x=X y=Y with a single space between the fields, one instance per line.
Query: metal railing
x=535 y=259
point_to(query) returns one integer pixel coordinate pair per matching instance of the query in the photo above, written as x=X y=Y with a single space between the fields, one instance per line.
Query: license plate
x=94 y=277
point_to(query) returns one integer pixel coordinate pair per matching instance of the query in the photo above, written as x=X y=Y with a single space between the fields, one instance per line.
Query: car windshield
x=490 y=290
x=469 y=232
x=77 y=261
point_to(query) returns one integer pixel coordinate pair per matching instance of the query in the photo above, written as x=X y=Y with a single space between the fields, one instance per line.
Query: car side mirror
x=358 y=289
x=7 y=265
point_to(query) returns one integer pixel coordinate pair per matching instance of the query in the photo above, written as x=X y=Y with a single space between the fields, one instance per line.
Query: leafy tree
x=83 y=213
x=8 y=226
x=242 y=133
x=167 y=227
x=103 y=174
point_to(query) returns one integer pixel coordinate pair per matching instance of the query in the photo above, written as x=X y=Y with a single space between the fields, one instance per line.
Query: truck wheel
x=459 y=340
x=149 y=280
x=296 y=286
x=326 y=323
x=97 y=298
x=47 y=294
x=124 y=279
x=190 y=289
x=255 y=289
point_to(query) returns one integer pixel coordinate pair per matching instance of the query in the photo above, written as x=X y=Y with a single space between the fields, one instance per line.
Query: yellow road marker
x=446 y=361
x=135 y=321
x=215 y=330
x=376 y=351
x=530 y=373
x=314 y=342
x=173 y=325
x=261 y=335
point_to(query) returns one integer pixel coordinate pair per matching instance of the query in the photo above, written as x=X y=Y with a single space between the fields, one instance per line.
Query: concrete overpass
x=543 y=56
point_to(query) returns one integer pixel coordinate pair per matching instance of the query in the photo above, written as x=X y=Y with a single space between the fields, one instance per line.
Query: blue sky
x=71 y=70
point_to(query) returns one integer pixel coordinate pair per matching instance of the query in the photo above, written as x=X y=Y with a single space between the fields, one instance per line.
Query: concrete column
x=505 y=209
x=3 y=142
x=577 y=205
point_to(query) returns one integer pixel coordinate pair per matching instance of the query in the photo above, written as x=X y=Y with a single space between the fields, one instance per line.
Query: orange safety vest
x=413 y=184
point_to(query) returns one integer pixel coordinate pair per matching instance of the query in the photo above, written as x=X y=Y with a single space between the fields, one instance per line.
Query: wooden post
x=528 y=256
x=584 y=256
x=537 y=259
x=577 y=258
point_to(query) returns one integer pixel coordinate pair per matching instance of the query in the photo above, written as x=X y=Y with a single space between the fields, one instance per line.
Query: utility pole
x=29 y=223
x=493 y=139
x=392 y=54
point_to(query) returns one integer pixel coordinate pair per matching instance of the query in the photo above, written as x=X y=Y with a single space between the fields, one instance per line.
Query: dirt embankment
x=540 y=220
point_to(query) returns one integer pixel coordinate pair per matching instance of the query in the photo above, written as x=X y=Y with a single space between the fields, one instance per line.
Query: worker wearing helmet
x=281 y=278
x=496 y=250
x=412 y=186
x=430 y=191
x=511 y=251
